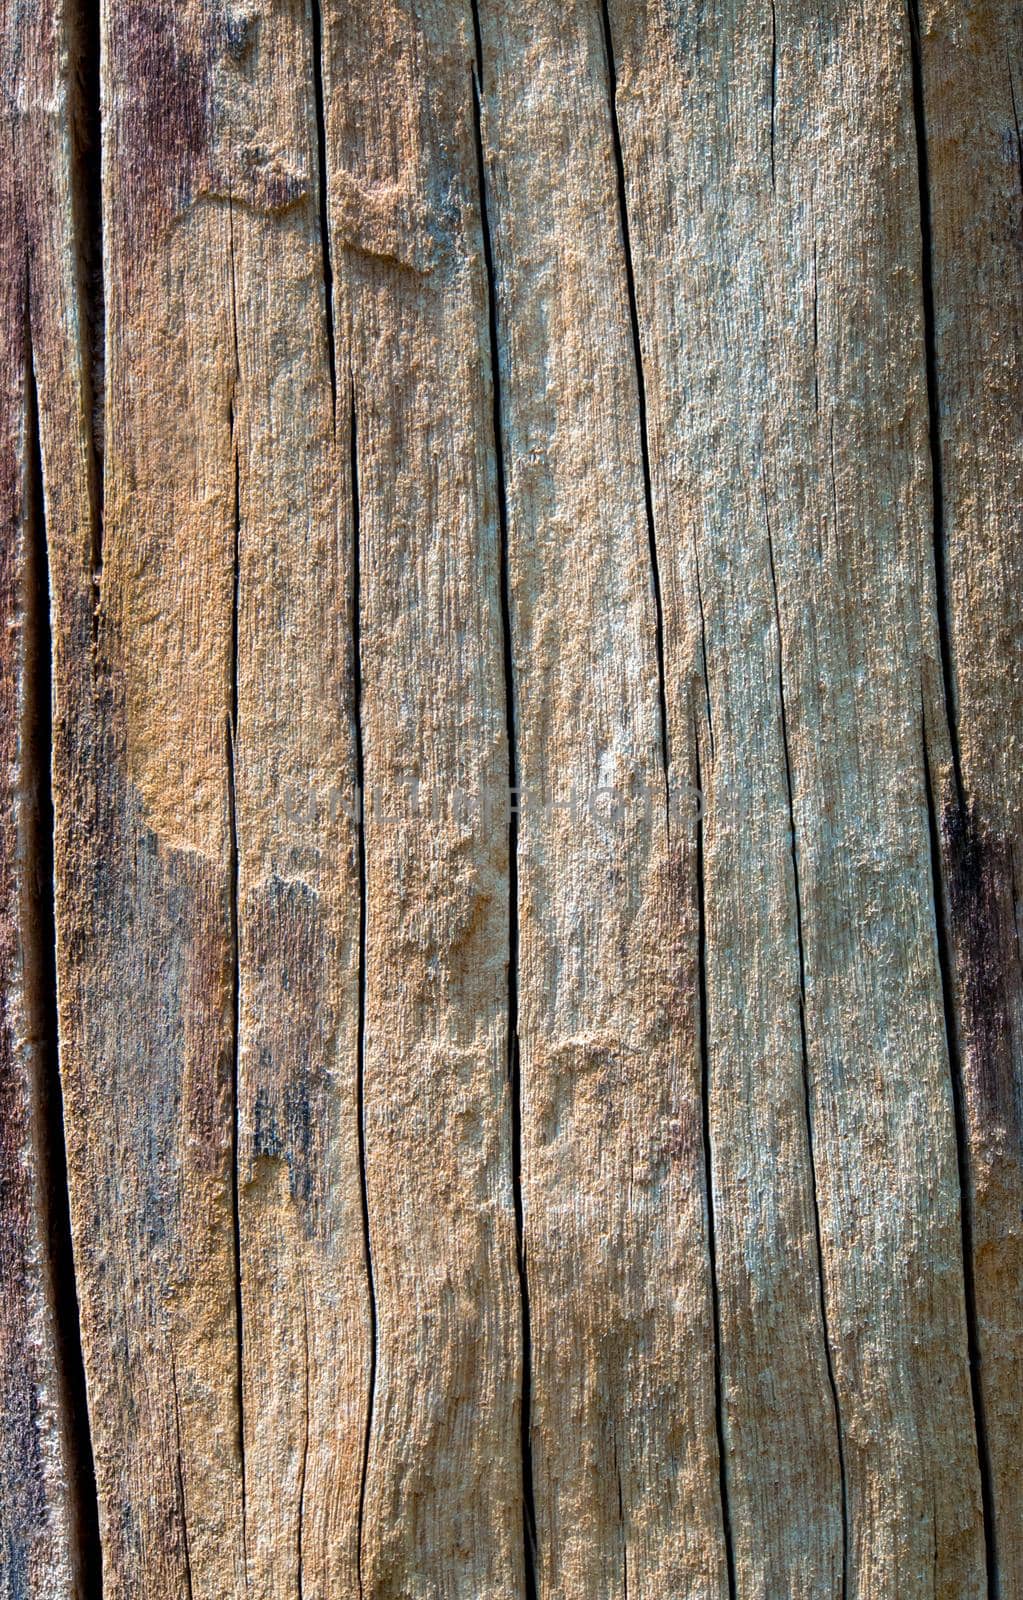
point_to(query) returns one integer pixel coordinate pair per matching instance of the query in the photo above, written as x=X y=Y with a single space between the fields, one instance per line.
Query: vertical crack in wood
x=233 y=886
x=304 y=1458
x=360 y=1086
x=942 y=927
x=86 y=132
x=816 y=341
x=703 y=647
x=805 y=1057
x=38 y=891
x=1015 y=123
x=637 y=346
x=708 y=1164
x=514 y=1059
x=933 y=396
x=621 y=1524
x=180 y=1482
x=774 y=88
x=945 y=966
x=324 y=195
x=833 y=476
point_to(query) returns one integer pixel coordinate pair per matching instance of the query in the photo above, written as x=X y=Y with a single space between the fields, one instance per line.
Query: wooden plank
x=222 y=1161
x=596 y=403
x=36 y=1509
x=624 y=1452
x=146 y=967
x=442 y=1495
x=969 y=100
x=305 y=1311
x=773 y=220
x=702 y=181
x=47 y=1536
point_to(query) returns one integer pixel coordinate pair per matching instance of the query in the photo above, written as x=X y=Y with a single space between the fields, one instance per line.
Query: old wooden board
x=512 y=834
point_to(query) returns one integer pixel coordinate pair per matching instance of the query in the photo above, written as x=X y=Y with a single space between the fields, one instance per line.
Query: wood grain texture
x=304 y=1304
x=970 y=70
x=36 y=1508
x=624 y=1451
x=703 y=188
x=796 y=434
x=47 y=1543
x=441 y=1499
x=528 y=500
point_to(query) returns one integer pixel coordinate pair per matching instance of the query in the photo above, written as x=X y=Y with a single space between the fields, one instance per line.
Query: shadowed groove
x=933 y=395
x=84 y=34
x=514 y=1061
x=805 y=1060
x=637 y=349
x=363 y=928
x=946 y=959
x=719 y=1416
x=945 y=967
x=179 y=1478
x=40 y=978
x=324 y=195
x=233 y=882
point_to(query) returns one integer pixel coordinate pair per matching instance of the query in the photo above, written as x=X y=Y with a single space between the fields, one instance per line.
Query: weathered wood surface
x=530 y=499
x=47 y=1496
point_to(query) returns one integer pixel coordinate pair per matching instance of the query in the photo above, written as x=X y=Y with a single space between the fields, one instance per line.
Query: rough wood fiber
x=780 y=296
x=442 y=1501
x=36 y=1547
x=705 y=235
x=46 y=1532
x=305 y=1337
x=480 y=403
x=624 y=1451
x=970 y=94
x=232 y=1065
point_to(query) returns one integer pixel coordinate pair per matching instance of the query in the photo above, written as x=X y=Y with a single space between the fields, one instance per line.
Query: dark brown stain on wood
x=165 y=114
x=291 y=1026
x=982 y=918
